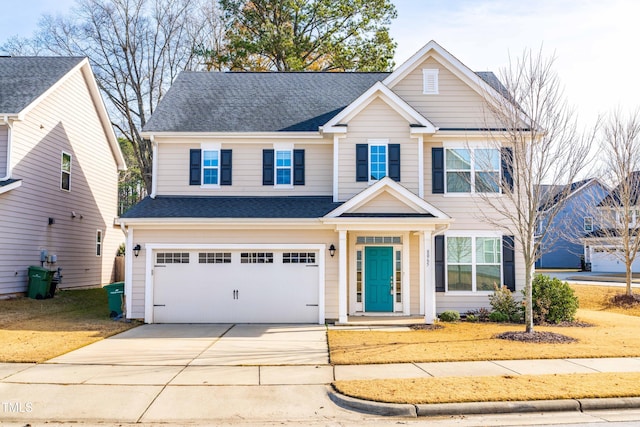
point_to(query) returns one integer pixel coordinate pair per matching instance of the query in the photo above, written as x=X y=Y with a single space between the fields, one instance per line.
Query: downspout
x=9 y=131
x=154 y=168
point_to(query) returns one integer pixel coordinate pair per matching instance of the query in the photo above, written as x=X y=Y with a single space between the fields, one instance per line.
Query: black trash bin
x=115 y=292
x=39 y=282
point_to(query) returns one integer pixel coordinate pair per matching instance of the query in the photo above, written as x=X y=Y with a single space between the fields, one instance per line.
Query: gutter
x=9 y=131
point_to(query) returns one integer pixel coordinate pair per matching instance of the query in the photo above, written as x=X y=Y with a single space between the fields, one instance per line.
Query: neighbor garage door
x=603 y=261
x=218 y=286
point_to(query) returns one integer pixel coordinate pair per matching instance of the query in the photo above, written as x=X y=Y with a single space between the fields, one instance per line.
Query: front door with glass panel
x=378 y=263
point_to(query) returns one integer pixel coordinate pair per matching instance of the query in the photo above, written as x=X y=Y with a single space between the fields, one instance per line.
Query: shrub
x=553 y=300
x=498 y=316
x=479 y=315
x=470 y=317
x=502 y=301
x=450 y=316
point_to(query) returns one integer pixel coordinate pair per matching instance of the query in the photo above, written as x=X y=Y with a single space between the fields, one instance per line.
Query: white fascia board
x=395 y=189
x=172 y=136
x=10 y=187
x=378 y=90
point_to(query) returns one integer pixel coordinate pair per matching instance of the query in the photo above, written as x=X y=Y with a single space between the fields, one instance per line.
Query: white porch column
x=342 y=277
x=427 y=280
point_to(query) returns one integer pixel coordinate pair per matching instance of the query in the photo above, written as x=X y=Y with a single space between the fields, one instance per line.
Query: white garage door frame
x=150 y=248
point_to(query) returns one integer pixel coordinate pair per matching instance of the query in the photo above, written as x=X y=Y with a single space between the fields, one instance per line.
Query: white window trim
x=63 y=171
x=473 y=235
x=430 y=83
x=203 y=148
x=99 y=242
x=377 y=143
x=276 y=149
x=474 y=145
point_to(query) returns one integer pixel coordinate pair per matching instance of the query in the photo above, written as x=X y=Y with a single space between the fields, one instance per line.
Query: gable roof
x=232 y=207
x=421 y=206
x=613 y=198
x=552 y=194
x=24 y=79
x=256 y=102
x=378 y=90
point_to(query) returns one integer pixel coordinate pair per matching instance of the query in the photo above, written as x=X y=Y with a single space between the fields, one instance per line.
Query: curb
x=374 y=408
x=481 y=408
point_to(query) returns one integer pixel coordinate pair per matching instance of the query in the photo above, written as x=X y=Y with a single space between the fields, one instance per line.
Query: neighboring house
x=601 y=244
x=59 y=162
x=562 y=246
x=312 y=197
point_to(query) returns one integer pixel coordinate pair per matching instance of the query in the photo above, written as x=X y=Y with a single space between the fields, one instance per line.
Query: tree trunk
x=629 y=277
x=528 y=307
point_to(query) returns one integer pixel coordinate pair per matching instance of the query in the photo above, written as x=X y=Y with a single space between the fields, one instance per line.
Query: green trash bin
x=115 y=292
x=39 y=282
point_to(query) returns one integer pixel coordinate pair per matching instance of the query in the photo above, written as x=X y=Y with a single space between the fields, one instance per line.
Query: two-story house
x=59 y=162
x=562 y=245
x=313 y=197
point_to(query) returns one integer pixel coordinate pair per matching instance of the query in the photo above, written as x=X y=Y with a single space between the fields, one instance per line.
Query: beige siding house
x=59 y=162
x=319 y=197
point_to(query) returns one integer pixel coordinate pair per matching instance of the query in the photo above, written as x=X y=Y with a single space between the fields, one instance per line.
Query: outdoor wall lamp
x=136 y=250
x=332 y=250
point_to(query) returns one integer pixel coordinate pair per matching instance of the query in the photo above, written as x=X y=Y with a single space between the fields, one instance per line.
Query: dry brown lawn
x=37 y=330
x=494 y=389
x=614 y=334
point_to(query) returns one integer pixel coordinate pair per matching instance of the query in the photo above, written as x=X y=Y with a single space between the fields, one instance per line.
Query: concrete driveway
x=181 y=373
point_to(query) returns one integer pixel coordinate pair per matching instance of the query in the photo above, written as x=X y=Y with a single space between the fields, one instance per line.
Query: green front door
x=378 y=287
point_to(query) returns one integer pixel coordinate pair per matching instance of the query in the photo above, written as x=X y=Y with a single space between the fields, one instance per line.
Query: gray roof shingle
x=232 y=207
x=25 y=78
x=256 y=102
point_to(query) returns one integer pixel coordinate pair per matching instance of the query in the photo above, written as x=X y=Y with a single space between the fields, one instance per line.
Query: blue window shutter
x=508 y=263
x=437 y=170
x=506 y=160
x=439 y=264
x=362 y=162
x=394 y=162
x=194 y=166
x=268 y=167
x=225 y=167
x=298 y=167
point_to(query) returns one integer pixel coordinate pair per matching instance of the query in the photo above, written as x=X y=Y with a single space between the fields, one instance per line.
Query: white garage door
x=603 y=261
x=211 y=286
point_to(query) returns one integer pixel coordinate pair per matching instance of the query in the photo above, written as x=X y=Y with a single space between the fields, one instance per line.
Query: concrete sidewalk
x=207 y=393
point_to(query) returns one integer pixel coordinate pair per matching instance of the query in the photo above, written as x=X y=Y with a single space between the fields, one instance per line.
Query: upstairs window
x=430 y=81
x=99 y=243
x=377 y=161
x=587 y=224
x=283 y=167
x=210 y=167
x=65 y=172
x=472 y=170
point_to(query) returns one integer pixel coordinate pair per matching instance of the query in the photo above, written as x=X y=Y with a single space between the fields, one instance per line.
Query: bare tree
x=618 y=215
x=136 y=47
x=536 y=131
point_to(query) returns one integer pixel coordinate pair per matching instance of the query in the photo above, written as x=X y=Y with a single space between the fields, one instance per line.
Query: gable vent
x=430 y=81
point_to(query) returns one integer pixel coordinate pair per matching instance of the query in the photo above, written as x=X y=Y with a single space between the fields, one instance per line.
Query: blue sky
x=595 y=41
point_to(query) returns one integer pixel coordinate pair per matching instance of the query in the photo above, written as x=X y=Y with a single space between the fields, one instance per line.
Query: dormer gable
x=417 y=122
x=386 y=192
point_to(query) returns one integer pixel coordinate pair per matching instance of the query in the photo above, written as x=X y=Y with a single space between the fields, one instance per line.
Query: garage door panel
x=602 y=260
x=250 y=287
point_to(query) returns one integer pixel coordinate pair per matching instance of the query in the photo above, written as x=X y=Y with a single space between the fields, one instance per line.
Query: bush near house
x=553 y=300
x=502 y=302
x=450 y=316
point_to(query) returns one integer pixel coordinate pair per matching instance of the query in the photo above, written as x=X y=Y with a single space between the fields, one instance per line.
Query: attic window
x=430 y=81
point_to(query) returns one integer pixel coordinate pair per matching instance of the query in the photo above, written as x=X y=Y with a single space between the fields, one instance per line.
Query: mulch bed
x=536 y=337
x=625 y=301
